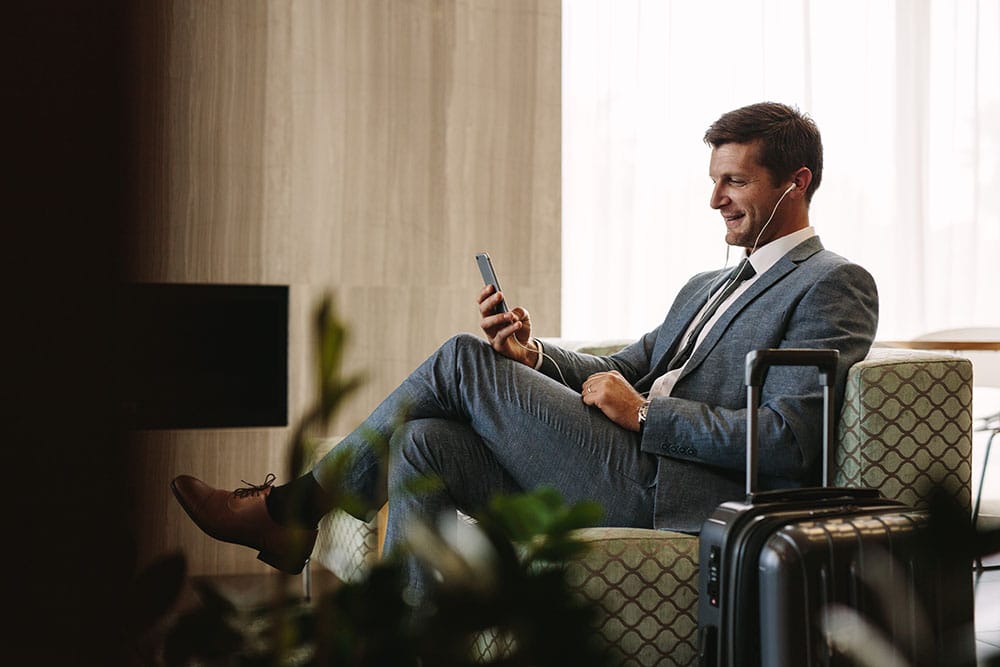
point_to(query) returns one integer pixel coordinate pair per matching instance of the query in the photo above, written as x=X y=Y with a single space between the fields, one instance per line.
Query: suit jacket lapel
x=685 y=315
x=782 y=267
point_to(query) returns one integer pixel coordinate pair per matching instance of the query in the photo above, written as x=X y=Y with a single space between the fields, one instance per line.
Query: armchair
x=905 y=427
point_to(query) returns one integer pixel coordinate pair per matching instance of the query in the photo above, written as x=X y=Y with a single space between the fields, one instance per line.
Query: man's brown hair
x=787 y=139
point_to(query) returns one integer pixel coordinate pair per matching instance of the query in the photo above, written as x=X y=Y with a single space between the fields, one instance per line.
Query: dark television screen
x=203 y=356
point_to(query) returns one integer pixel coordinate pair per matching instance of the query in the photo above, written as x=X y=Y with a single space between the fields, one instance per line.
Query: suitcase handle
x=757 y=363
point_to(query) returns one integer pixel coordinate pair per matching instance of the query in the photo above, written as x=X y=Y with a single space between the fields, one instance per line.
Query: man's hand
x=508 y=333
x=611 y=393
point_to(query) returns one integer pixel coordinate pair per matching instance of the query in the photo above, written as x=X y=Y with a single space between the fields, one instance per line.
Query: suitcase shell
x=730 y=545
x=903 y=604
x=734 y=535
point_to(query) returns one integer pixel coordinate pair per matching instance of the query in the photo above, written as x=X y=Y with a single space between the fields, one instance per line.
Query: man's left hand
x=611 y=393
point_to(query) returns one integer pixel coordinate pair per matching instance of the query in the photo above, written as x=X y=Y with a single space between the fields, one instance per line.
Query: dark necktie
x=736 y=278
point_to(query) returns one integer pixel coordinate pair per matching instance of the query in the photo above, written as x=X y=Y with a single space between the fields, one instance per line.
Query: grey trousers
x=484 y=425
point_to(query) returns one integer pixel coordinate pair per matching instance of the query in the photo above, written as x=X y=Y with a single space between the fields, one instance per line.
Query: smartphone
x=490 y=278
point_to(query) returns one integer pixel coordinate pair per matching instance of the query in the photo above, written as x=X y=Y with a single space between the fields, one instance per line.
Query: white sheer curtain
x=906 y=94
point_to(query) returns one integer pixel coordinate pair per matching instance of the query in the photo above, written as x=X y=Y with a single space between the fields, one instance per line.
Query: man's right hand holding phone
x=508 y=333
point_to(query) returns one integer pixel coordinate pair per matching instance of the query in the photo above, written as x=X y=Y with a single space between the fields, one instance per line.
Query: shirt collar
x=768 y=255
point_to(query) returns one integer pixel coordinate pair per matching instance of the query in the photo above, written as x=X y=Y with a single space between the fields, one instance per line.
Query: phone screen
x=490 y=278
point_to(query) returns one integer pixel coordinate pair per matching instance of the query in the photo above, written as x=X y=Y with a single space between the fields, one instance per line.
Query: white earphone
x=771 y=217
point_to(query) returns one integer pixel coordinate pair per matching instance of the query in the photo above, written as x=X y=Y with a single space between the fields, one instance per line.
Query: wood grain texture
x=364 y=148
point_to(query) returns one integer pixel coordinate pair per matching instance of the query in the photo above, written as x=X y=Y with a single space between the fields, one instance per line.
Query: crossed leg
x=484 y=424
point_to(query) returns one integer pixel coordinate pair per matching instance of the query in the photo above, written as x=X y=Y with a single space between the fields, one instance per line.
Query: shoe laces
x=254 y=489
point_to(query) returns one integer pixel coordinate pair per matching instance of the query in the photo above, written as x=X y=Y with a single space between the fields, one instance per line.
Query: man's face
x=744 y=194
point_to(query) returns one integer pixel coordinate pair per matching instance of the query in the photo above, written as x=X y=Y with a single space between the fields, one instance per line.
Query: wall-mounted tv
x=203 y=356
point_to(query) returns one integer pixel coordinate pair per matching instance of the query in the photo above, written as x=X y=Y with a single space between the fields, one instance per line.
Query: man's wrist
x=534 y=347
x=642 y=414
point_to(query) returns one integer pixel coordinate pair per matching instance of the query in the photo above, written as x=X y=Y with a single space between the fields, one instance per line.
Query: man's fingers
x=487 y=304
x=491 y=321
x=502 y=337
x=485 y=292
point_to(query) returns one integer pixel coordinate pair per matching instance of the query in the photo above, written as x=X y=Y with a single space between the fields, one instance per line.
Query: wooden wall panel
x=365 y=148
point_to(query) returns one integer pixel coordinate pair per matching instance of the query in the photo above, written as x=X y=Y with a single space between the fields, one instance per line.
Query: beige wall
x=368 y=148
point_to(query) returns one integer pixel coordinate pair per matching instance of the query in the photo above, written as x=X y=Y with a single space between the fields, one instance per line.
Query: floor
x=988 y=616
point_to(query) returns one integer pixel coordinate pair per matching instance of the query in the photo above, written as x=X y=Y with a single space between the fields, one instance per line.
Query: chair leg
x=982 y=478
x=979 y=491
x=307 y=581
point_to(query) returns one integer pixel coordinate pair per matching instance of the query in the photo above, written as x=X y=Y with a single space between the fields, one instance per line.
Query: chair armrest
x=906 y=425
x=599 y=348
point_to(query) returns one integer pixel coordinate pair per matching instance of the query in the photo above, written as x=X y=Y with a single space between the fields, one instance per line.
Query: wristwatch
x=643 y=412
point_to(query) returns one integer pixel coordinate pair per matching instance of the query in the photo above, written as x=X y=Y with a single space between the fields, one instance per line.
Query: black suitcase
x=730 y=607
x=835 y=589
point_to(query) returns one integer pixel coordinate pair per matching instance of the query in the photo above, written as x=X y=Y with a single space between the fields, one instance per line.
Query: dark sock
x=301 y=501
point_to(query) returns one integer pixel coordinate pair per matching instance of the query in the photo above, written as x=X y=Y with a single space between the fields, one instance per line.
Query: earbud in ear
x=790 y=188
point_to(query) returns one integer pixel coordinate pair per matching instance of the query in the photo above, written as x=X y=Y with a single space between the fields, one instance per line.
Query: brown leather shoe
x=241 y=517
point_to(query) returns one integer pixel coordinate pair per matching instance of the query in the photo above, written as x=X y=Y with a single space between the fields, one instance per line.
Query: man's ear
x=802 y=177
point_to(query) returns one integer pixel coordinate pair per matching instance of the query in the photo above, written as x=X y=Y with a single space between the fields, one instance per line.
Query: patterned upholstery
x=906 y=424
x=645 y=585
x=345 y=546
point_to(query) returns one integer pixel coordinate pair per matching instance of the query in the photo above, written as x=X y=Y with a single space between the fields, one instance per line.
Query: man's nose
x=718 y=198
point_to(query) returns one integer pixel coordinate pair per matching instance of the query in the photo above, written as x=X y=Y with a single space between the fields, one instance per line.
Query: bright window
x=906 y=94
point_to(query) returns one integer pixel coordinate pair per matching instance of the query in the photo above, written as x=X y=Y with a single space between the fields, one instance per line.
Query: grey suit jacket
x=811 y=298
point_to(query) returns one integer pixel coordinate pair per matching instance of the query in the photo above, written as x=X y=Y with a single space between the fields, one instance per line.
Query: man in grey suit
x=655 y=432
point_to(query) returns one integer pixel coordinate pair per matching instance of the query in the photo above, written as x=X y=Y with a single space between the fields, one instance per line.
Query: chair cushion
x=645 y=585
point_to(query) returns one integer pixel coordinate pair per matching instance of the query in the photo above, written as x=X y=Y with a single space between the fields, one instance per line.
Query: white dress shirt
x=762 y=259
